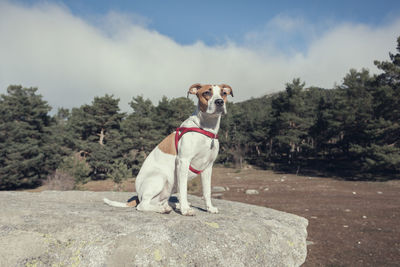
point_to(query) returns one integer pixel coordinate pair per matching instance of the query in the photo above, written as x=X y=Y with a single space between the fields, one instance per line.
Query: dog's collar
x=182 y=130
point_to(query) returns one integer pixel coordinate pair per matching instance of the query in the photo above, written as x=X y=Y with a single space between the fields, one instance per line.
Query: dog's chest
x=206 y=152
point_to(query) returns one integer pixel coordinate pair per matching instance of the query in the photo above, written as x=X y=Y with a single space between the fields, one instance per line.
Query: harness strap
x=184 y=130
x=194 y=170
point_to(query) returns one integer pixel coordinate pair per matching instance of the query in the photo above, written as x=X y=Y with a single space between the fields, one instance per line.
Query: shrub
x=60 y=180
x=119 y=171
x=76 y=167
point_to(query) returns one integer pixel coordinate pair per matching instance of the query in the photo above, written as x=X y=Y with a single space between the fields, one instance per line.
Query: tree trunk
x=101 y=139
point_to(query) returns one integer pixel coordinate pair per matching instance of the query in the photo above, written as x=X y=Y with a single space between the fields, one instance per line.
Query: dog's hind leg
x=147 y=206
x=154 y=193
x=165 y=195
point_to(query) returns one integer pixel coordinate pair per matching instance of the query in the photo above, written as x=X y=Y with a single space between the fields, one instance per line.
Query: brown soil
x=350 y=223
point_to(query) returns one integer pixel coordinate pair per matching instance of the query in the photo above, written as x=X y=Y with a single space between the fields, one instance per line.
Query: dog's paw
x=187 y=212
x=178 y=205
x=167 y=208
x=212 y=209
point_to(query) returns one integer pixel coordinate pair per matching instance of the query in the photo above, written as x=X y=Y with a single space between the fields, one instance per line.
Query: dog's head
x=212 y=98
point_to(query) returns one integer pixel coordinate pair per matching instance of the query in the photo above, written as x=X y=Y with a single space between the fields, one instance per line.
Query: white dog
x=182 y=155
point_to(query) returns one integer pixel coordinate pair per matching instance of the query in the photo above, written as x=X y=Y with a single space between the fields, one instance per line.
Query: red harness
x=184 y=130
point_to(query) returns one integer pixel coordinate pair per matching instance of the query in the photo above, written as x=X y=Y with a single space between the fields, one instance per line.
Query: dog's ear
x=193 y=89
x=226 y=89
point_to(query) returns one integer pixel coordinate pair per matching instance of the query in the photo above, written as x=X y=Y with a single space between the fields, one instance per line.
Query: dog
x=182 y=155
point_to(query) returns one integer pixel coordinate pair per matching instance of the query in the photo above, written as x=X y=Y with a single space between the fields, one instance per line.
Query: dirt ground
x=350 y=223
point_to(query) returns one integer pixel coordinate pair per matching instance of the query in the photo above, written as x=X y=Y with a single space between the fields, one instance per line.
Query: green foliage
x=119 y=171
x=291 y=120
x=95 y=130
x=76 y=167
x=135 y=160
x=169 y=114
x=28 y=151
x=376 y=160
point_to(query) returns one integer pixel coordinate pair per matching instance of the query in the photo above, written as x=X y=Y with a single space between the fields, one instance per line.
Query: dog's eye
x=207 y=93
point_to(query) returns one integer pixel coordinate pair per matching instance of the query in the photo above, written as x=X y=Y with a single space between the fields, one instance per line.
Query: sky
x=76 y=50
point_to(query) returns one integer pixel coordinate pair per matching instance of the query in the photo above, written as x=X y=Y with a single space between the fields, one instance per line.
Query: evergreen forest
x=351 y=131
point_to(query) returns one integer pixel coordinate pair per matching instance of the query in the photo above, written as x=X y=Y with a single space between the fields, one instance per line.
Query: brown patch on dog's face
x=204 y=93
x=194 y=88
x=225 y=91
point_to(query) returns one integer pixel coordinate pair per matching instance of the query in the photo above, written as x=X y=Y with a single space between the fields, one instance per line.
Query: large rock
x=75 y=228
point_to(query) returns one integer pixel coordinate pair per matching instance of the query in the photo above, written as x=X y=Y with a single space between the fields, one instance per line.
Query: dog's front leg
x=182 y=170
x=206 y=183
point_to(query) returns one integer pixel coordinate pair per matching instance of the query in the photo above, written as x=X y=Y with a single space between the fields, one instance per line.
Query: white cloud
x=71 y=61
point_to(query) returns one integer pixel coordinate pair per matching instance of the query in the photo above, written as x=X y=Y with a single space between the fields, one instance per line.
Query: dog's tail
x=133 y=202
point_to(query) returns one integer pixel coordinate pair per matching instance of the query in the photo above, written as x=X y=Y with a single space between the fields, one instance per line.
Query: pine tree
x=28 y=151
x=387 y=97
x=140 y=126
x=382 y=156
x=290 y=122
x=141 y=132
x=256 y=127
x=95 y=130
x=233 y=136
x=169 y=114
x=355 y=110
x=326 y=130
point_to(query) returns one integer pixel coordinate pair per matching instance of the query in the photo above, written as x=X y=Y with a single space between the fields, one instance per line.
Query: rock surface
x=75 y=228
x=252 y=192
x=218 y=189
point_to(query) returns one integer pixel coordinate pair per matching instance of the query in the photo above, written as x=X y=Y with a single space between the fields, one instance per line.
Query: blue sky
x=74 y=50
x=214 y=21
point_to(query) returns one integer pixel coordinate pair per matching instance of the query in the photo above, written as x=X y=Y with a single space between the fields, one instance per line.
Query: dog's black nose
x=219 y=102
